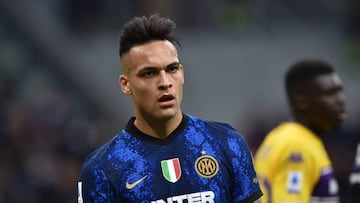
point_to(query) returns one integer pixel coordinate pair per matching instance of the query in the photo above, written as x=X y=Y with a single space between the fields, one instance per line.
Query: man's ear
x=124 y=85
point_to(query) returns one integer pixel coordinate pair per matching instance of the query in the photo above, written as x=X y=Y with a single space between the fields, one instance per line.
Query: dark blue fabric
x=131 y=155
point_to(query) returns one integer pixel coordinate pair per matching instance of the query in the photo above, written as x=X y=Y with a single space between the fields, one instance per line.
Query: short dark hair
x=305 y=69
x=140 y=30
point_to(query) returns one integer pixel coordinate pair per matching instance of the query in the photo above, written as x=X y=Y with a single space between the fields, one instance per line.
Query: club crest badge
x=206 y=166
x=171 y=169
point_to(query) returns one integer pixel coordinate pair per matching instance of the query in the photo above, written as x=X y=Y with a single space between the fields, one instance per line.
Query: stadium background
x=59 y=94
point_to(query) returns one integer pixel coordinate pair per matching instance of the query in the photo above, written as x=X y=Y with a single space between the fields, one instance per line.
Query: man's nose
x=165 y=81
x=340 y=98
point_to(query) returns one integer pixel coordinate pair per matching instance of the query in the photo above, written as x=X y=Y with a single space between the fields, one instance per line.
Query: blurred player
x=354 y=179
x=292 y=163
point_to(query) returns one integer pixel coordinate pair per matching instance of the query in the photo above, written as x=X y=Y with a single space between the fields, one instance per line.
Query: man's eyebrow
x=173 y=64
x=146 y=69
x=149 y=68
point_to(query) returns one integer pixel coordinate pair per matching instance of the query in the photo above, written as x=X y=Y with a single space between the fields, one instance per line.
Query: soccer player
x=292 y=163
x=163 y=155
x=354 y=179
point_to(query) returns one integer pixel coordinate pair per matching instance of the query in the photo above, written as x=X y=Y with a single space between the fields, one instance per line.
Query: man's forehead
x=324 y=83
x=337 y=79
x=149 y=54
x=329 y=79
x=319 y=83
x=153 y=47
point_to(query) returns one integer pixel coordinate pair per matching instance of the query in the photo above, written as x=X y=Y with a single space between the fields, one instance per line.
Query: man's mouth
x=166 y=98
x=342 y=115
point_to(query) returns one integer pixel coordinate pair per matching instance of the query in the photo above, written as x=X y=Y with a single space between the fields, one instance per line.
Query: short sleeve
x=246 y=186
x=94 y=186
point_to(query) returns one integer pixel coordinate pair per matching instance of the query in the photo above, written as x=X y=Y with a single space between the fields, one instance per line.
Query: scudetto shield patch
x=171 y=169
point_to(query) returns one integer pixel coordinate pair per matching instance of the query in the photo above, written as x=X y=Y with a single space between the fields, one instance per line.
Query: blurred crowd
x=46 y=126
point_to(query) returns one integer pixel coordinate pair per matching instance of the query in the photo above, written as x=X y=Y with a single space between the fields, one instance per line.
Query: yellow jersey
x=293 y=167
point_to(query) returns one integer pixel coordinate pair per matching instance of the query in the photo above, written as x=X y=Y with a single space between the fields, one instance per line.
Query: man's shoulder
x=289 y=131
x=100 y=154
x=220 y=130
x=290 y=137
x=194 y=120
x=283 y=139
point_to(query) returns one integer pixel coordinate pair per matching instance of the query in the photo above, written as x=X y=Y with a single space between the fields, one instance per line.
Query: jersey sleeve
x=246 y=186
x=94 y=186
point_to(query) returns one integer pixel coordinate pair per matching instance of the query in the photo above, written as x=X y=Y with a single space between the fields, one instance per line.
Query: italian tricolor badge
x=171 y=169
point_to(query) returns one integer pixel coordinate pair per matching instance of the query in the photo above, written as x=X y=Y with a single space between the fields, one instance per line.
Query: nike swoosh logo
x=132 y=185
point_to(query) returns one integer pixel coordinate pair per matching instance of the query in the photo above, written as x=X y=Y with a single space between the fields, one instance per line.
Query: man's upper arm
x=95 y=185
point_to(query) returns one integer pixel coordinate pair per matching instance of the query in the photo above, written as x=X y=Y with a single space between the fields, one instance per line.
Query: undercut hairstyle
x=305 y=70
x=141 y=30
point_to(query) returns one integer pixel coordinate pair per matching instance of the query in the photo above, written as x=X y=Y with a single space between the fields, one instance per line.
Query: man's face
x=154 y=78
x=326 y=108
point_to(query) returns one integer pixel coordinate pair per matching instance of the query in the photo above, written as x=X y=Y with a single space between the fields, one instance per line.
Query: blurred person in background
x=292 y=163
x=163 y=154
x=354 y=179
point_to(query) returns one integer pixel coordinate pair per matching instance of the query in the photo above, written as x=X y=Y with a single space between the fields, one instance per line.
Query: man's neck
x=308 y=125
x=158 y=128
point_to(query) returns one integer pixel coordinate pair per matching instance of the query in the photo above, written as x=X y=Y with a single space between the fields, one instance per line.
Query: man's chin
x=168 y=114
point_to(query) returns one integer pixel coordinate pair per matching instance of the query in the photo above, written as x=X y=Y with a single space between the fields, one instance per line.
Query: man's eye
x=149 y=74
x=173 y=69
